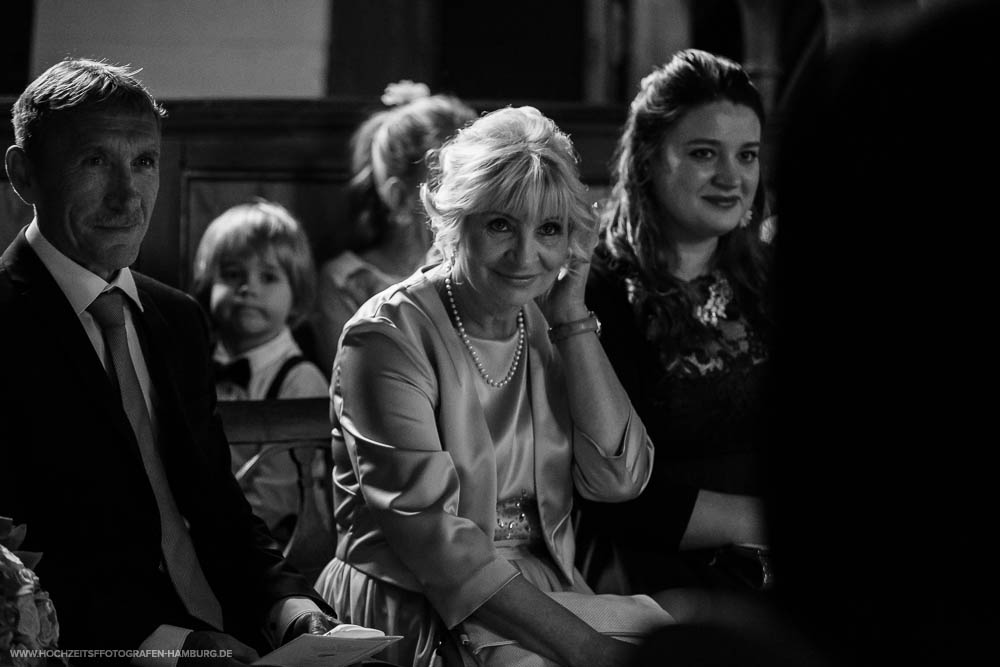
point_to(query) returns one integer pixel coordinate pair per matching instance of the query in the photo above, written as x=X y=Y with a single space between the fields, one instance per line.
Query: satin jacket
x=415 y=478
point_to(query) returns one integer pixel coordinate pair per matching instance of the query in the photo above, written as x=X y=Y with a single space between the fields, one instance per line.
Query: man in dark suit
x=110 y=447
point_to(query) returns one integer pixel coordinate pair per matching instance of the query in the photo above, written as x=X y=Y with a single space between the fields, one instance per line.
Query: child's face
x=251 y=300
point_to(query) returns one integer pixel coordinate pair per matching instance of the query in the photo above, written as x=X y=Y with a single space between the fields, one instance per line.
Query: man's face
x=95 y=175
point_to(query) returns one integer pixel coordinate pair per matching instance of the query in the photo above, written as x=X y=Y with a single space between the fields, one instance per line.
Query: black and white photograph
x=480 y=333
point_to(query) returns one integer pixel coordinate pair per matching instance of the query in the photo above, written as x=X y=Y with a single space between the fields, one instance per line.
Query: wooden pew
x=303 y=425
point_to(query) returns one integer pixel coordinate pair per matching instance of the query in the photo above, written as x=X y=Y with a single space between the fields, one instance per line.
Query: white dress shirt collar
x=80 y=285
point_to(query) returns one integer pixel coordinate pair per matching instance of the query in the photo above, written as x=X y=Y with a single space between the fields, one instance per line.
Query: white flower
x=403 y=92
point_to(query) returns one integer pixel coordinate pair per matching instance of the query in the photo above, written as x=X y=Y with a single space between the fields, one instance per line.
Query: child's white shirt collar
x=260 y=356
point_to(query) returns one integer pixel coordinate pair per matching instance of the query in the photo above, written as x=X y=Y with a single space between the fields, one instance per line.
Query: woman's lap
x=363 y=600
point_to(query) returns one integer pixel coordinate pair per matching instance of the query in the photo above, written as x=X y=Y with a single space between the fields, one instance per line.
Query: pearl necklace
x=475 y=355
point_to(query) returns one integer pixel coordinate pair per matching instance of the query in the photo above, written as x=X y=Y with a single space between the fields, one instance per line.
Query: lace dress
x=699 y=398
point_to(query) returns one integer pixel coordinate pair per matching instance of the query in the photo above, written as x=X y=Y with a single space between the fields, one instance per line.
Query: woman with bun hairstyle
x=392 y=237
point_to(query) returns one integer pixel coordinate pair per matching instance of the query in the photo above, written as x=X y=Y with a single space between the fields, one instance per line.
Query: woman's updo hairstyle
x=513 y=160
x=392 y=143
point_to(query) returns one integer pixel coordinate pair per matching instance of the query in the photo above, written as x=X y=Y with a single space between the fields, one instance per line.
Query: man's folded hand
x=318 y=623
x=309 y=623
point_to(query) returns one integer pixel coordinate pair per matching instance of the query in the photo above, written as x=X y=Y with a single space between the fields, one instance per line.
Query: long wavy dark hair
x=633 y=235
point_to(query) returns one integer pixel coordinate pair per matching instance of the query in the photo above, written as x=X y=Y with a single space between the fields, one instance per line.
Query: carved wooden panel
x=317 y=200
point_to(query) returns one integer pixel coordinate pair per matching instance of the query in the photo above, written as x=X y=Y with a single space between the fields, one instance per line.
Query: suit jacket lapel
x=157 y=343
x=60 y=336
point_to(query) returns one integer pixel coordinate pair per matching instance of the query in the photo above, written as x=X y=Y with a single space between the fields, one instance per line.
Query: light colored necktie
x=178 y=551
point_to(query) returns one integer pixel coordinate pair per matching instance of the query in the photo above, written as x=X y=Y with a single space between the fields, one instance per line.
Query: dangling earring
x=747 y=218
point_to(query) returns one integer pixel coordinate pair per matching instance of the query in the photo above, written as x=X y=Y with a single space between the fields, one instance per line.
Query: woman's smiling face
x=509 y=260
x=706 y=173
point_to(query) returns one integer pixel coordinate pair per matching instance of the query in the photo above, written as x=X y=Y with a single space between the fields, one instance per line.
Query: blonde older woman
x=471 y=400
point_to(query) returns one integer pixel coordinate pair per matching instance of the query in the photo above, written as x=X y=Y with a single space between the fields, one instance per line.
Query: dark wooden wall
x=220 y=153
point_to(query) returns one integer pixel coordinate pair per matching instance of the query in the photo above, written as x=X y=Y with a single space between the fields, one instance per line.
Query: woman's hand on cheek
x=565 y=301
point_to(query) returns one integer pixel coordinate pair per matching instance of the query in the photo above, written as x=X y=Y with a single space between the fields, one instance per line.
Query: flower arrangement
x=27 y=615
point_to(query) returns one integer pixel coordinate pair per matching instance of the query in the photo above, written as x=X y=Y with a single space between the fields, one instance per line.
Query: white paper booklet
x=325 y=651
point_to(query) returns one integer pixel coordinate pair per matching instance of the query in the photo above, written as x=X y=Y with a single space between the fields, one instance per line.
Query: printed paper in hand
x=330 y=650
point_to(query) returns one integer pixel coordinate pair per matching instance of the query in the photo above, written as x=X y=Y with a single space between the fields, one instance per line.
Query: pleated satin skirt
x=364 y=600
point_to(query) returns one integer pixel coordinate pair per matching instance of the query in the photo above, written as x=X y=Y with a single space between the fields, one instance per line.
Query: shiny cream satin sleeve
x=384 y=399
x=621 y=476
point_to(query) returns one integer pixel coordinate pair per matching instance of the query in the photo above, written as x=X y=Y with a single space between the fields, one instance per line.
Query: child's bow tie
x=236 y=372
